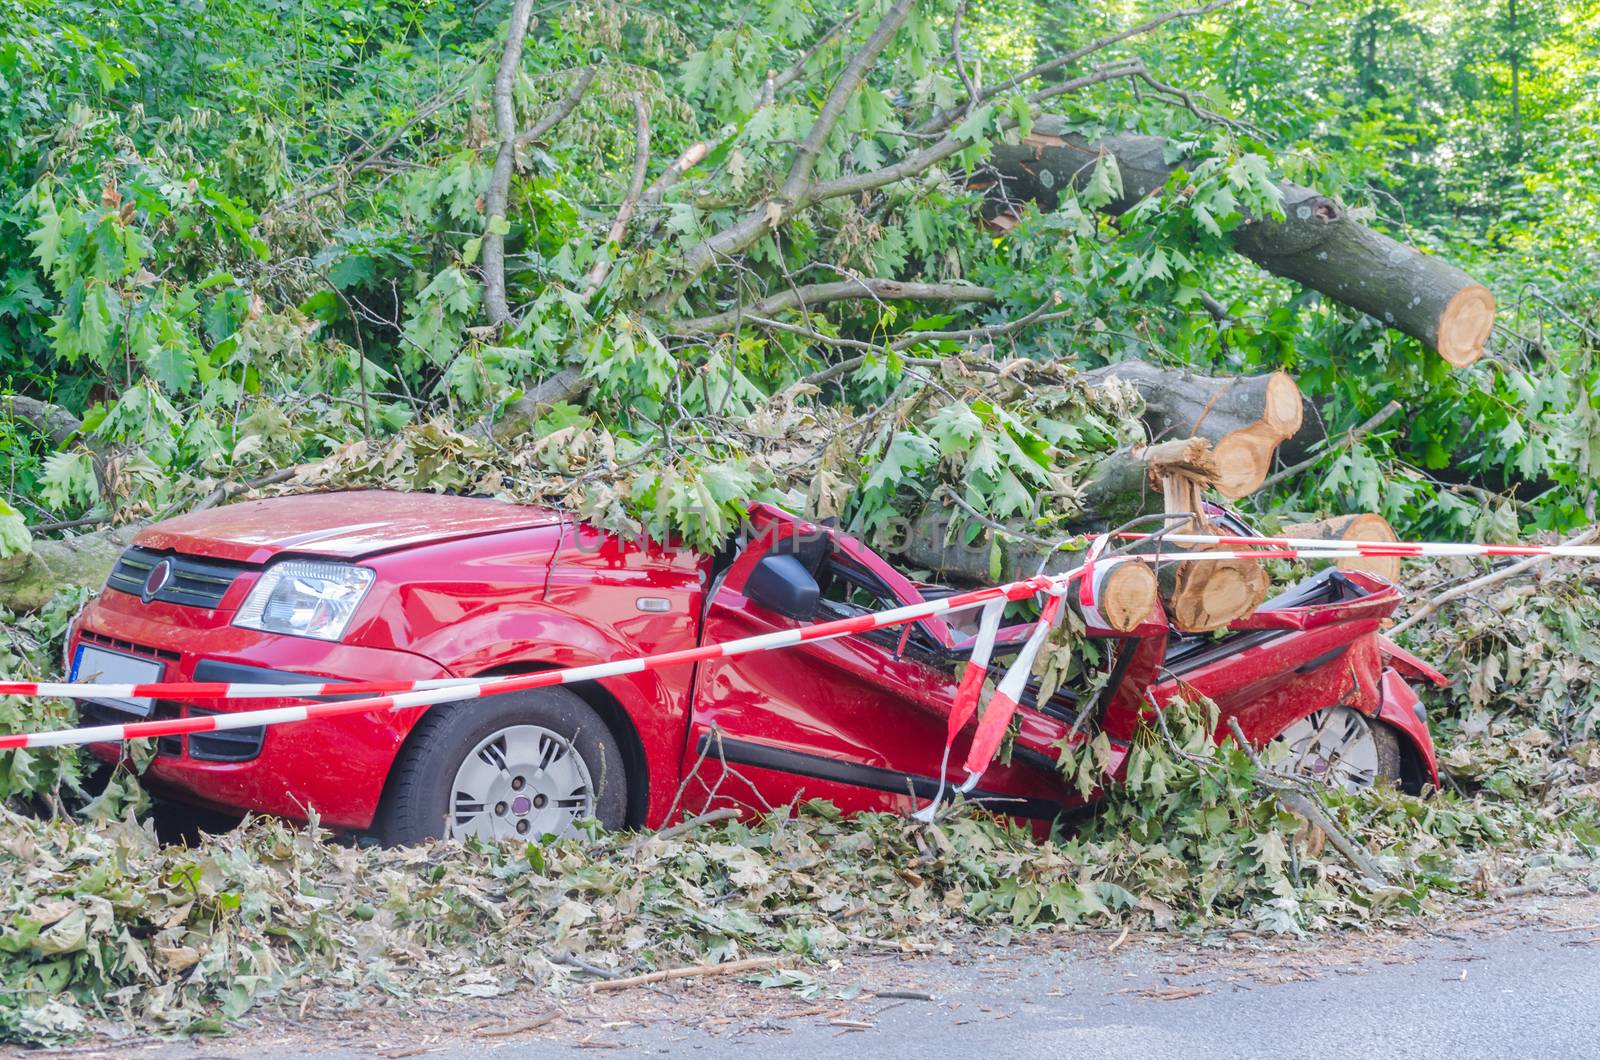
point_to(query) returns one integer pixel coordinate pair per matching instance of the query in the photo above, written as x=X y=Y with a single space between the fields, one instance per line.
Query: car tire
x=514 y=765
x=1342 y=745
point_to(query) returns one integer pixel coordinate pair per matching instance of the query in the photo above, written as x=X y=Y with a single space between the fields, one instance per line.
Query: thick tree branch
x=791 y=195
x=841 y=291
x=696 y=152
x=1477 y=585
x=919 y=162
x=1345 y=441
x=563 y=109
x=56 y=422
x=520 y=415
x=1315 y=243
x=619 y=227
x=850 y=82
x=494 y=201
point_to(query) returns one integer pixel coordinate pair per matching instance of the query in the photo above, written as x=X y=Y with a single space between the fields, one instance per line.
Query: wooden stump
x=1208 y=594
x=1124 y=594
x=1364 y=527
x=1245 y=418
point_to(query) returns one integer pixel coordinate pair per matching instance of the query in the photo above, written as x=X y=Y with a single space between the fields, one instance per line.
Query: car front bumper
x=335 y=767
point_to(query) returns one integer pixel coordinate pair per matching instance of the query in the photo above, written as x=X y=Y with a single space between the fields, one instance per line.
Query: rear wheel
x=1341 y=747
x=522 y=765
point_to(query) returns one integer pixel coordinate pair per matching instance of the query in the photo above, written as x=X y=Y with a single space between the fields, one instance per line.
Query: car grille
x=194 y=582
x=224 y=745
x=118 y=644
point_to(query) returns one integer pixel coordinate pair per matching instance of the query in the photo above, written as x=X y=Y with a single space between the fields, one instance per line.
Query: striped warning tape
x=407 y=694
x=1381 y=548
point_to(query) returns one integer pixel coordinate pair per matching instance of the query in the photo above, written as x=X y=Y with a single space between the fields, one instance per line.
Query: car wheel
x=1341 y=747
x=520 y=765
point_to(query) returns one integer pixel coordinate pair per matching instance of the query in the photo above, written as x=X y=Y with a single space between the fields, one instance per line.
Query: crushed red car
x=367 y=586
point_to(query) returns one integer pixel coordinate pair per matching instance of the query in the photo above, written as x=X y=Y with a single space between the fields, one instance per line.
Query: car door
x=859 y=720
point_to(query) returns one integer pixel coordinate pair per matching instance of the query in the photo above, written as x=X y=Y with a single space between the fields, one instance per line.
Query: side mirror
x=782 y=583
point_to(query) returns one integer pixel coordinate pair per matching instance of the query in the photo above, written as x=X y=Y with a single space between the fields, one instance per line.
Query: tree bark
x=29 y=579
x=494 y=201
x=1365 y=527
x=1316 y=244
x=1245 y=418
x=56 y=422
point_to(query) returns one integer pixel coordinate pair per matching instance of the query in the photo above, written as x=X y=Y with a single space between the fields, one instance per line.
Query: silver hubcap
x=523 y=781
x=1335 y=746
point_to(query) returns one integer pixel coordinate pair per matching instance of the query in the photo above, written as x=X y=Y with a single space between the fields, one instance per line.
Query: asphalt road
x=1509 y=984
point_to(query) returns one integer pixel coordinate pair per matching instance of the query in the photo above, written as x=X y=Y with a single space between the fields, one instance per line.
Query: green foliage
x=30 y=650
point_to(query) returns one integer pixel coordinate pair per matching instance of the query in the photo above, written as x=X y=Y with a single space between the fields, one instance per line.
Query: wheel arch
x=612 y=714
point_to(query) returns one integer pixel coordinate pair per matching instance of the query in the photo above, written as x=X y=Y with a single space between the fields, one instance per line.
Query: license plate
x=101 y=667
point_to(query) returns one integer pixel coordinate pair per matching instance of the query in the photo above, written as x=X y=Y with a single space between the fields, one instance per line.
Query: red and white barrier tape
x=1380 y=548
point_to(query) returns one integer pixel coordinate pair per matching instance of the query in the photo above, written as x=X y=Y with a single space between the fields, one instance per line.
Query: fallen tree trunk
x=1245 y=418
x=1365 y=527
x=29 y=579
x=1317 y=243
x=54 y=421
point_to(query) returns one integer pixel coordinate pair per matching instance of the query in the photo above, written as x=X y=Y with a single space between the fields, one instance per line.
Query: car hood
x=346 y=525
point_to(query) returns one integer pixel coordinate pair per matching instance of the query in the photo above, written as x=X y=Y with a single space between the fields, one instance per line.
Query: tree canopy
x=244 y=236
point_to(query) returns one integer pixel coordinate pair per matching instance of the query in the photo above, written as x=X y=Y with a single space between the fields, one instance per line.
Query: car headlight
x=305 y=599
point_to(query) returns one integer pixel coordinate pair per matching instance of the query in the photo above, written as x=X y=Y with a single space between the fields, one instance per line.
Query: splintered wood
x=1210 y=594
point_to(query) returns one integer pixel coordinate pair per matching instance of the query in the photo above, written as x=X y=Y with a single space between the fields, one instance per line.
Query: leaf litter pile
x=105 y=930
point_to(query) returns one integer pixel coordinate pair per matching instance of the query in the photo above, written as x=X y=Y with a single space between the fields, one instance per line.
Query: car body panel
x=343 y=525
x=337 y=766
x=1400 y=707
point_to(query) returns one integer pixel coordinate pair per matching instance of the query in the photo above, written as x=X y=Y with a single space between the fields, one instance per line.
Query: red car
x=370 y=586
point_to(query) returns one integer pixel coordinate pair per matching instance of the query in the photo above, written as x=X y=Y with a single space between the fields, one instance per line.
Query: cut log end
x=1125 y=595
x=1244 y=458
x=1367 y=526
x=1465 y=324
x=1209 y=594
x=1283 y=409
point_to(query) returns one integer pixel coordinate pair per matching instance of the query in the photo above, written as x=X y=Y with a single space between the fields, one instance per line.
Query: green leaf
x=14 y=537
x=974 y=125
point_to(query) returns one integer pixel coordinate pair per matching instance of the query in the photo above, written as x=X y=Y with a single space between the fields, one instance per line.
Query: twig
x=911 y=338
x=904 y=995
x=218 y=495
x=693 y=971
x=840 y=291
x=572 y=960
x=944 y=118
x=619 y=227
x=521 y=1028
x=563 y=109
x=688 y=825
x=372 y=157
x=68 y=524
x=494 y=200
x=1350 y=438
x=1303 y=805
x=1484 y=582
